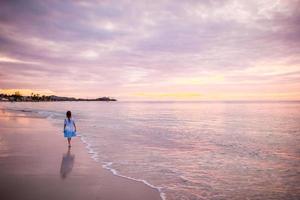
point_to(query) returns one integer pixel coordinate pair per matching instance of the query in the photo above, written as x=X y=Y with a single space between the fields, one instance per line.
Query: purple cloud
x=120 y=48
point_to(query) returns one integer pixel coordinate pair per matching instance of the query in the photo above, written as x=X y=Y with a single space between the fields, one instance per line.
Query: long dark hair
x=69 y=115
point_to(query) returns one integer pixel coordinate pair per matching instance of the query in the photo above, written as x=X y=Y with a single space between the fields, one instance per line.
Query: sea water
x=191 y=150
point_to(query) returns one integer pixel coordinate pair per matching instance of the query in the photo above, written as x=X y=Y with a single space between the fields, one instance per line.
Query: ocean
x=190 y=150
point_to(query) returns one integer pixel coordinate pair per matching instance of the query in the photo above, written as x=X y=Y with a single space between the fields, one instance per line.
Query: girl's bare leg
x=69 y=141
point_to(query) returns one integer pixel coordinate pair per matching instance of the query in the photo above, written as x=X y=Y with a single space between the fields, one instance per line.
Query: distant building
x=27 y=98
x=4 y=99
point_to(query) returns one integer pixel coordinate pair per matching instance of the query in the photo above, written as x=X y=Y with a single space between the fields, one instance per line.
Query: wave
x=108 y=166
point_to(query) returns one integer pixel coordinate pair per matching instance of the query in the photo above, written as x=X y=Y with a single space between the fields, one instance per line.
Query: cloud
x=122 y=48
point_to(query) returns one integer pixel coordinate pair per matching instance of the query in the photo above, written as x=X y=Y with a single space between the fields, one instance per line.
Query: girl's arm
x=74 y=125
x=64 y=125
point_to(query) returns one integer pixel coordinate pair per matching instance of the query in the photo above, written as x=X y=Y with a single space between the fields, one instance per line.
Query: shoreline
x=93 y=156
x=19 y=124
x=107 y=165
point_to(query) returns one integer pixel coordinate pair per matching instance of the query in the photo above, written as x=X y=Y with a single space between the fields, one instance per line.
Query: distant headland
x=17 y=97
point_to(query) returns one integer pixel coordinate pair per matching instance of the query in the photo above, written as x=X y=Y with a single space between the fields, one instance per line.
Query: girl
x=69 y=128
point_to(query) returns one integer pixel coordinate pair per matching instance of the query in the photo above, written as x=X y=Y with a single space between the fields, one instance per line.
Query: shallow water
x=199 y=150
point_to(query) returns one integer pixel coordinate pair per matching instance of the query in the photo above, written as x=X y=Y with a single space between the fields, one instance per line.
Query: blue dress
x=69 y=129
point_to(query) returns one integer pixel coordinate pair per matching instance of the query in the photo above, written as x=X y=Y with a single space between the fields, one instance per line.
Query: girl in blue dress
x=69 y=127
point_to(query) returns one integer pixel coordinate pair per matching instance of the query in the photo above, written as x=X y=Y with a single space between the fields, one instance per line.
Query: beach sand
x=35 y=163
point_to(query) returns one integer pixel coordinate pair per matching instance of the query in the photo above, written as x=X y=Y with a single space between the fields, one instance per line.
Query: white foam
x=107 y=165
x=94 y=154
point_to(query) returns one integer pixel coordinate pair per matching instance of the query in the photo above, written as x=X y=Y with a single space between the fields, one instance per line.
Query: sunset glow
x=159 y=50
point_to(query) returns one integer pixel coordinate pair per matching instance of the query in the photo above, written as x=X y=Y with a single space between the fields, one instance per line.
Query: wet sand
x=35 y=163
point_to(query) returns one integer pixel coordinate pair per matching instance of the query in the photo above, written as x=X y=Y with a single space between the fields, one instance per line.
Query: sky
x=152 y=50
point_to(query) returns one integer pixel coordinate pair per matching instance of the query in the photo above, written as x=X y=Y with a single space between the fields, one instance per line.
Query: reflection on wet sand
x=67 y=163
